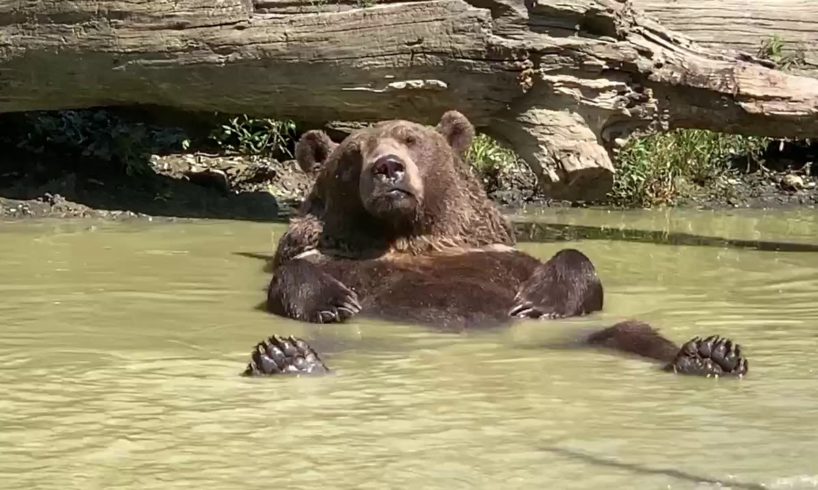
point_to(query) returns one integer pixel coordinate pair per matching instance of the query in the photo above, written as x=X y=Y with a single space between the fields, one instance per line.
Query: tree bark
x=743 y=24
x=562 y=81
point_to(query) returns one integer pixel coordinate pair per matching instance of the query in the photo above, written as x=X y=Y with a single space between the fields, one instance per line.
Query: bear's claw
x=341 y=304
x=527 y=309
x=713 y=356
x=279 y=355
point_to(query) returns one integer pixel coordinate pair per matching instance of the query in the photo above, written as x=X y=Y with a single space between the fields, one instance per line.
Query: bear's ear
x=457 y=130
x=312 y=150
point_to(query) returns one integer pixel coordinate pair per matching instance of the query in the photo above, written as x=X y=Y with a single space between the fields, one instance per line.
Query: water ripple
x=121 y=350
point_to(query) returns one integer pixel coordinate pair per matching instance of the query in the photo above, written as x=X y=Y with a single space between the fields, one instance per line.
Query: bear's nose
x=390 y=167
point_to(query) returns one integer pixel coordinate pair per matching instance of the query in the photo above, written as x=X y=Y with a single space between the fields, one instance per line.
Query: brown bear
x=312 y=152
x=399 y=233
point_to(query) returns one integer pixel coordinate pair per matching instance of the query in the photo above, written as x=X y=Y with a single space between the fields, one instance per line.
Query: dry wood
x=562 y=81
x=743 y=24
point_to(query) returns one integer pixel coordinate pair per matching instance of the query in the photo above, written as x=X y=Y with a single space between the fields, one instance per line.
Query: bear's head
x=397 y=184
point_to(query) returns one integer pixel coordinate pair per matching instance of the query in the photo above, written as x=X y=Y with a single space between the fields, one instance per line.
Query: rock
x=243 y=175
x=792 y=182
x=209 y=177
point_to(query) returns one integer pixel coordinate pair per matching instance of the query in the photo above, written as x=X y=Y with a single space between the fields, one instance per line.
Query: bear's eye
x=410 y=139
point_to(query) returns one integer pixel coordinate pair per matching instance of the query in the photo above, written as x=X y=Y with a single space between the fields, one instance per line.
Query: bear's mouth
x=397 y=193
x=393 y=204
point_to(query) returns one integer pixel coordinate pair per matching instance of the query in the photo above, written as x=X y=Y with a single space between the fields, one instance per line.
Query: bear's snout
x=389 y=168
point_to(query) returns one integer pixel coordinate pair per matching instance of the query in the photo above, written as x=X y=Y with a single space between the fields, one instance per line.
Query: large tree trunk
x=743 y=24
x=562 y=81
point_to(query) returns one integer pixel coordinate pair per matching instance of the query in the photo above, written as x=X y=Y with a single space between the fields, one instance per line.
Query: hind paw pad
x=713 y=356
x=279 y=355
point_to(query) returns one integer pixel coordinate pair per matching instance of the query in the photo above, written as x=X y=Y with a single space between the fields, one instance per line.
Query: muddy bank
x=765 y=189
x=176 y=186
x=255 y=188
x=102 y=163
x=784 y=176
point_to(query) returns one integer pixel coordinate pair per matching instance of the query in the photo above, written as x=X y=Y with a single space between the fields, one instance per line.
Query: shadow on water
x=267 y=258
x=646 y=470
x=550 y=232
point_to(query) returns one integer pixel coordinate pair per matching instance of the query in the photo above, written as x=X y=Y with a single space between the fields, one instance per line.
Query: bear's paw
x=280 y=355
x=713 y=356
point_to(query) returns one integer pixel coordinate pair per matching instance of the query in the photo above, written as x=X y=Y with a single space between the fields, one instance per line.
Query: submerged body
x=450 y=290
x=394 y=229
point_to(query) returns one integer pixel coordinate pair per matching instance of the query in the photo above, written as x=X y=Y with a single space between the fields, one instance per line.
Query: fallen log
x=745 y=25
x=564 y=82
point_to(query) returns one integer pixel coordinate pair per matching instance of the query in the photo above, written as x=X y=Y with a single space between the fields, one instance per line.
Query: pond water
x=122 y=345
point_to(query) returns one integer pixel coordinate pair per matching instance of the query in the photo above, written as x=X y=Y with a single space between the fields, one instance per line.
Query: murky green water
x=121 y=347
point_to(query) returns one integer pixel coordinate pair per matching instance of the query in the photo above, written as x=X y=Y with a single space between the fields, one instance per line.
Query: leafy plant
x=774 y=49
x=250 y=136
x=660 y=168
x=490 y=159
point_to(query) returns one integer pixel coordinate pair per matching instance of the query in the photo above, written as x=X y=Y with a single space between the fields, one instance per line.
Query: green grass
x=661 y=168
x=101 y=136
x=651 y=171
x=498 y=167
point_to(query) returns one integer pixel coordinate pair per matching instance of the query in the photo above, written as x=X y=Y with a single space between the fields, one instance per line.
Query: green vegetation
x=774 y=49
x=95 y=135
x=252 y=136
x=661 y=168
x=651 y=171
x=655 y=170
x=98 y=135
x=491 y=160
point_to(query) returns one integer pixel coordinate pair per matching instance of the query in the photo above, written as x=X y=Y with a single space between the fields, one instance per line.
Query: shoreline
x=253 y=188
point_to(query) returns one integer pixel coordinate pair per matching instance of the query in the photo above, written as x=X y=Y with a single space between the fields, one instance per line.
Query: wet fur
x=453 y=290
x=448 y=263
x=477 y=221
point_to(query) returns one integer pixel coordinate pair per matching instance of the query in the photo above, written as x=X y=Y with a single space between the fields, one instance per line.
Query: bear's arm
x=301 y=290
x=566 y=285
x=301 y=236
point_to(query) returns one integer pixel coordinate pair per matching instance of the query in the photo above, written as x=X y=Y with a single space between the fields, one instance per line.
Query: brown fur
x=477 y=221
x=312 y=150
x=451 y=290
x=637 y=338
x=304 y=233
x=426 y=258
x=395 y=230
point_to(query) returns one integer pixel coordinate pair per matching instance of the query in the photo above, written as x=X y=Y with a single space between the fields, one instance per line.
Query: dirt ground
x=178 y=186
x=255 y=188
